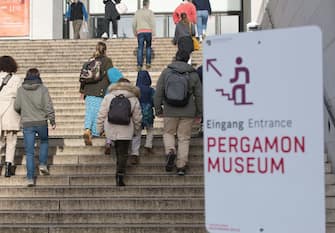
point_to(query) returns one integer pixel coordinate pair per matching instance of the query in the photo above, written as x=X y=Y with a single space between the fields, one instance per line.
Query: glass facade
x=226 y=17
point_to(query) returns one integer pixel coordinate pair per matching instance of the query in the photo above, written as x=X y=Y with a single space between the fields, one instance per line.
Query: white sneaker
x=30 y=183
x=44 y=170
x=200 y=39
x=104 y=35
x=114 y=36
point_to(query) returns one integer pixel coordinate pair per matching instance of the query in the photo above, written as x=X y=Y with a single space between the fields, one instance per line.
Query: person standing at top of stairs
x=34 y=104
x=93 y=93
x=75 y=13
x=9 y=119
x=111 y=14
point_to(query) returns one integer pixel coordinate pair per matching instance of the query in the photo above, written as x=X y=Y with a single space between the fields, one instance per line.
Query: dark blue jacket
x=143 y=82
x=203 y=5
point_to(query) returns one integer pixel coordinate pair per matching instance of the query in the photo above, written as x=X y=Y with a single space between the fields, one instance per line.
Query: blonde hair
x=100 y=49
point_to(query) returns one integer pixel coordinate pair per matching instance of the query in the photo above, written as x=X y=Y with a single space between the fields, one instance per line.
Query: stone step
x=98 y=152
x=330 y=190
x=101 y=204
x=196 y=168
x=46 y=191
x=75 y=141
x=330 y=228
x=330 y=215
x=65 y=122
x=102 y=217
x=84 y=180
x=104 y=228
x=101 y=159
x=328 y=167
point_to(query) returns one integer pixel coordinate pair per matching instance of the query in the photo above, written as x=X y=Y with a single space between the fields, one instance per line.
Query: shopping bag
x=84 y=33
x=121 y=8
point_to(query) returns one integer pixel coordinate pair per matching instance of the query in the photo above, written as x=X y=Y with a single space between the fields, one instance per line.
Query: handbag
x=196 y=44
x=121 y=8
x=5 y=80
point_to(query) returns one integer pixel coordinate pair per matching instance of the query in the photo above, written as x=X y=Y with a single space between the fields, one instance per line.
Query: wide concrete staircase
x=80 y=194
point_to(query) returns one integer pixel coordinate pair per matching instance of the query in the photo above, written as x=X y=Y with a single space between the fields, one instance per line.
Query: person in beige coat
x=121 y=135
x=9 y=118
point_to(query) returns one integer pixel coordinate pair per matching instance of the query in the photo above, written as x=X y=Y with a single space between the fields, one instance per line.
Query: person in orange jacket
x=185 y=7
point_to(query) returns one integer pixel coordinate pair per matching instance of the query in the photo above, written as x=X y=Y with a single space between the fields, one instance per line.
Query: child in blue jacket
x=143 y=82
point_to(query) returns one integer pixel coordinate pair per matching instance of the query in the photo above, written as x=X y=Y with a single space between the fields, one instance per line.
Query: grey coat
x=194 y=106
x=34 y=104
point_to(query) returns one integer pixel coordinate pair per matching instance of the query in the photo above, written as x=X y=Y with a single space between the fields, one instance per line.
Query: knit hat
x=114 y=75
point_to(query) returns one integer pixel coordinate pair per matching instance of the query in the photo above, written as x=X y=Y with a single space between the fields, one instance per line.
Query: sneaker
x=170 y=158
x=134 y=159
x=30 y=183
x=181 y=171
x=104 y=36
x=200 y=39
x=147 y=66
x=139 y=68
x=114 y=36
x=108 y=149
x=44 y=170
x=87 y=137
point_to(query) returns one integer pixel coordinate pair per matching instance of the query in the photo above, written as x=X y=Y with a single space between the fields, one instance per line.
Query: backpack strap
x=5 y=80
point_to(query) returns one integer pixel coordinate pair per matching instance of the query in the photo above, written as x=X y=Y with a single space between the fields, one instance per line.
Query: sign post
x=263 y=132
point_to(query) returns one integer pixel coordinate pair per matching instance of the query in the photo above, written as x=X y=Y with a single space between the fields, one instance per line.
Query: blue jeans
x=29 y=142
x=202 y=18
x=141 y=38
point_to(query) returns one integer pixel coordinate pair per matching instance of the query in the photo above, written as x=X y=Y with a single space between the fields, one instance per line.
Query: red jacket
x=189 y=9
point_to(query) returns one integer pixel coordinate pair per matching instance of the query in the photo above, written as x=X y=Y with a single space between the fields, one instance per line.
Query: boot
x=8 y=169
x=119 y=180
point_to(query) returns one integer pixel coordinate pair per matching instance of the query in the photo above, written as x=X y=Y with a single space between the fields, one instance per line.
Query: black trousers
x=121 y=150
x=114 y=25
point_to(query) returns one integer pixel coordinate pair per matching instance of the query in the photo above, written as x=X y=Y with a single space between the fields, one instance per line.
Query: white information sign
x=263 y=132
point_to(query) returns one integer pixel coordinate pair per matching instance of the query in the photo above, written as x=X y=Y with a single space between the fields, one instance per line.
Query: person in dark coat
x=111 y=14
x=183 y=35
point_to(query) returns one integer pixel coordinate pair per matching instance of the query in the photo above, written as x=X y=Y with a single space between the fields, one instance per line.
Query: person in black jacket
x=75 y=13
x=111 y=14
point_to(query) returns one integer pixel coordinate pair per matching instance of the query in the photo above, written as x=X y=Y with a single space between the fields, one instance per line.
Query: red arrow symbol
x=209 y=63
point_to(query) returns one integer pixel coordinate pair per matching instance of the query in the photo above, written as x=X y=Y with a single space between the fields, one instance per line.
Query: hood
x=127 y=89
x=181 y=67
x=114 y=75
x=32 y=83
x=143 y=79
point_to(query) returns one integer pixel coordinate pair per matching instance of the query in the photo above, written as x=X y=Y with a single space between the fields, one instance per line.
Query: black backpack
x=119 y=110
x=91 y=71
x=176 y=88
